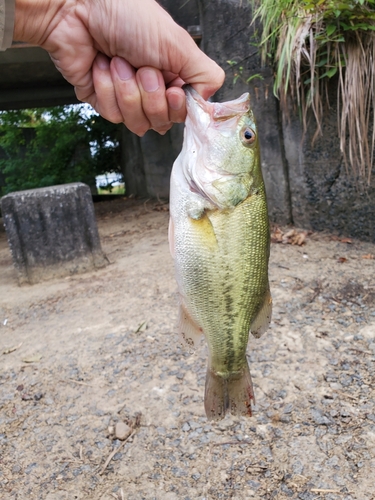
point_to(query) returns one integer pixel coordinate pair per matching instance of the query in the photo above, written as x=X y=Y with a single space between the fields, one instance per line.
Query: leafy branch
x=47 y=146
x=238 y=73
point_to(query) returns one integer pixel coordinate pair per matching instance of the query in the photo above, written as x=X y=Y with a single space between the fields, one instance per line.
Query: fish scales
x=219 y=239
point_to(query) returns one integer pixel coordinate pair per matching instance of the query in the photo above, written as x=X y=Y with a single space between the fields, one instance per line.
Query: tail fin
x=234 y=393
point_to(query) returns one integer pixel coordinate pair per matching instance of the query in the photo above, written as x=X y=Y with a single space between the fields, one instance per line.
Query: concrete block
x=52 y=232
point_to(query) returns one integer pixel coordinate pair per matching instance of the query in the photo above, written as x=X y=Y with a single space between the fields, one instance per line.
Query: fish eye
x=247 y=136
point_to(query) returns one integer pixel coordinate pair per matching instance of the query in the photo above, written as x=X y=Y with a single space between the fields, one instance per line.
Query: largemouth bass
x=219 y=240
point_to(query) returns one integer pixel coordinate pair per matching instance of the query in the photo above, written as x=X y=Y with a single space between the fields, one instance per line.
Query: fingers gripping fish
x=219 y=240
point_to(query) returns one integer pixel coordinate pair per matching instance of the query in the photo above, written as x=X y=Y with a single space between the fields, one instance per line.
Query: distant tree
x=48 y=146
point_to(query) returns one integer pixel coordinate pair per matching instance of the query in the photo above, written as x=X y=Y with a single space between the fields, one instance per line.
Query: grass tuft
x=311 y=41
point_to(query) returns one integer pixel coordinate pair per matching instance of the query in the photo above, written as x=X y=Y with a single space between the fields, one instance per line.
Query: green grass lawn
x=120 y=189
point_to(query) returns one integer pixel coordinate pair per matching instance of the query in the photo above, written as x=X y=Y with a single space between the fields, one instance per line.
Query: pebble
x=319 y=418
x=30 y=467
x=122 y=430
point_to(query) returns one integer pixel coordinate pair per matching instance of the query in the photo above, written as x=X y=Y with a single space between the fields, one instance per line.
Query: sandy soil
x=93 y=350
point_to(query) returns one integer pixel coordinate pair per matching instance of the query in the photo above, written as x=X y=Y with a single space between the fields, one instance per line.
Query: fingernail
x=102 y=61
x=124 y=70
x=175 y=101
x=149 y=80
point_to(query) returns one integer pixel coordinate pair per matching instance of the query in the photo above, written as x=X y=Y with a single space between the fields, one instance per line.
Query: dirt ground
x=80 y=354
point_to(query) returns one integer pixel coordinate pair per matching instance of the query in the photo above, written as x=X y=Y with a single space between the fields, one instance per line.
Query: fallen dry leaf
x=32 y=359
x=368 y=256
x=277 y=235
x=164 y=207
x=291 y=237
x=341 y=239
x=26 y=397
x=342 y=259
x=12 y=349
x=142 y=327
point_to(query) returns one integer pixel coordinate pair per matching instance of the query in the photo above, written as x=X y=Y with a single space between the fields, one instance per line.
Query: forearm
x=6 y=23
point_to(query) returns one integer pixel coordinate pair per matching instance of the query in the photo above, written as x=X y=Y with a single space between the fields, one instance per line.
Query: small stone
x=333 y=461
x=30 y=467
x=178 y=472
x=255 y=485
x=288 y=408
x=122 y=431
x=320 y=418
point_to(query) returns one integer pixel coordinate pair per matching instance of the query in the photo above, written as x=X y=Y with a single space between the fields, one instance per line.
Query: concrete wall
x=306 y=185
x=323 y=194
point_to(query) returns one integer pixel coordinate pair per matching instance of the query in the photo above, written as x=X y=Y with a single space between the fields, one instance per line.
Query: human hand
x=127 y=58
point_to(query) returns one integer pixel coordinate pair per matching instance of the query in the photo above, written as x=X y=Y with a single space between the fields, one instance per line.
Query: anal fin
x=188 y=329
x=263 y=319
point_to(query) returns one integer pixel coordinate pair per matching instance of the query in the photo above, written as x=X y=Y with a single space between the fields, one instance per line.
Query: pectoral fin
x=262 y=320
x=189 y=330
x=231 y=192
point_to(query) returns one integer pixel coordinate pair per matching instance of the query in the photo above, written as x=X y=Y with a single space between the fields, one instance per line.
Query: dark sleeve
x=6 y=23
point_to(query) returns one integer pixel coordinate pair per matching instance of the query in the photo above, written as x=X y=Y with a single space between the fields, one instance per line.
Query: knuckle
x=138 y=130
x=163 y=129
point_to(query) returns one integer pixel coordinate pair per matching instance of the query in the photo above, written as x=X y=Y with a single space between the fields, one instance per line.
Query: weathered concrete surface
x=324 y=195
x=132 y=164
x=52 y=232
x=159 y=154
x=147 y=161
x=185 y=13
x=28 y=78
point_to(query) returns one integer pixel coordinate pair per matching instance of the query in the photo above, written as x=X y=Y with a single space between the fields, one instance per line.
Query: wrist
x=34 y=19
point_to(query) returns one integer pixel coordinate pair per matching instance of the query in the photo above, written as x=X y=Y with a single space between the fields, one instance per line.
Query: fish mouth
x=217 y=112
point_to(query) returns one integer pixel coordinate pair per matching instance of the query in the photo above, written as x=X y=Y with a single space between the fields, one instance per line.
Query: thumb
x=201 y=72
x=204 y=75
